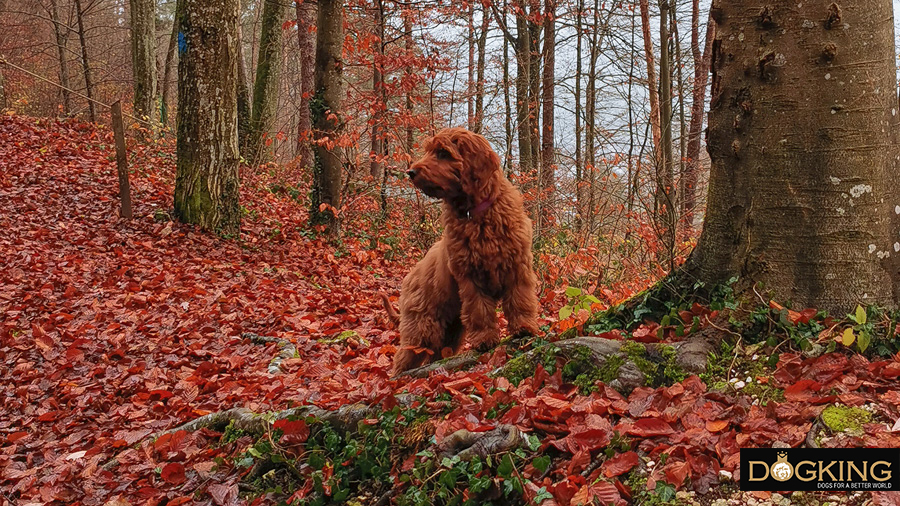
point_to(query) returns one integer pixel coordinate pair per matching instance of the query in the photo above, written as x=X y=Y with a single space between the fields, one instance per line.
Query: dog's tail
x=392 y=313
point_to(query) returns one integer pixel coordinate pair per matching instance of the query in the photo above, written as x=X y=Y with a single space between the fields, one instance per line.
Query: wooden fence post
x=121 y=161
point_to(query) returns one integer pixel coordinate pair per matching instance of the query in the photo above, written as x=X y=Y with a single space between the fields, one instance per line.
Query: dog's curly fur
x=484 y=257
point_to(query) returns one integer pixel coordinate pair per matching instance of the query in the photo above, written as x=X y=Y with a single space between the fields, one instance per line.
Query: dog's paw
x=485 y=341
x=525 y=330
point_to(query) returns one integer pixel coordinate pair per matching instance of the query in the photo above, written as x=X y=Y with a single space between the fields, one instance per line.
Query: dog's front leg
x=479 y=317
x=520 y=305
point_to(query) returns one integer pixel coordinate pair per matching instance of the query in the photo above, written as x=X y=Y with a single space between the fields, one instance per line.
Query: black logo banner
x=808 y=469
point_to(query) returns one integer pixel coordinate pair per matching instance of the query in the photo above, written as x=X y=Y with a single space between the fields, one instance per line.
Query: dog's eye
x=442 y=154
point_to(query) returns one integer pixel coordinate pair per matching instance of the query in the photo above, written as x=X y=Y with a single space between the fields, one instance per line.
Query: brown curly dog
x=484 y=257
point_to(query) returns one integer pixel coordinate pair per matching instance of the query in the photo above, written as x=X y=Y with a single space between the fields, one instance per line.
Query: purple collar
x=480 y=208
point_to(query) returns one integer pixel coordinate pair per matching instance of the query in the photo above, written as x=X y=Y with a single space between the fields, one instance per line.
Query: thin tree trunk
x=85 y=63
x=206 y=183
x=682 y=123
x=534 y=92
x=377 y=154
x=507 y=162
x=470 y=68
x=265 y=86
x=244 y=106
x=665 y=197
x=548 y=155
x=803 y=191
x=407 y=31
x=326 y=108
x=61 y=38
x=579 y=162
x=701 y=74
x=523 y=80
x=479 y=85
x=651 y=81
x=306 y=20
x=167 y=74
x=590 y=109
x=143 y=57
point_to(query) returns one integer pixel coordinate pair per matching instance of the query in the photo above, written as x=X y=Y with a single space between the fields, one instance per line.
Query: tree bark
x=244 y=106
x=534 y=91
x=523 y=68
x=265 y=87
x=651 y=80
x=85 y=63
x=701 y=75
x=803 y=195
x=507 y=159
x=548 y=155
x=206 y=183
x=479 y=74
x=306 y=20
x=62 y=35
x=143 y=57
x=376 y=168
x=470 y=68
x=579 y=162
x=167 y=75
x=665 y=198
x=326 y=110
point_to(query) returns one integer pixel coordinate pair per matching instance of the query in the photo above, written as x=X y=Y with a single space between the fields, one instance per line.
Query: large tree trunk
x=701 y=75
x=803 y=195
x=143 y=57
x=548 y=155
x=85 y=63
x=376 y=166
x=326 y=110
x=306 y=20
x=265 y=87
x=62 y=35
x=167 y=75
x=206 y=183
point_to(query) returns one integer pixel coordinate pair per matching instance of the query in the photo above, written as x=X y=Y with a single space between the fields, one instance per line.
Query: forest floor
x=112 y=331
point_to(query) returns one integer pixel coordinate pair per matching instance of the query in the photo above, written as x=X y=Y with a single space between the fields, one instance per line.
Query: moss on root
x=841 y=418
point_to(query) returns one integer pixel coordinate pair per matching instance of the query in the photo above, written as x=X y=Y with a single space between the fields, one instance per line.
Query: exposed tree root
x=454 y=363
x=468 y=445
x=286 y=349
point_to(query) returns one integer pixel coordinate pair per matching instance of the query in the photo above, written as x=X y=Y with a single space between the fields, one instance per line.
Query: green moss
x=659 y=367
x=581 y=369
x=518 y=368
x=841 y=418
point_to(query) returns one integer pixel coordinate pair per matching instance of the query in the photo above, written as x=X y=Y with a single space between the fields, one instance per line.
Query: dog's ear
x=481 y=165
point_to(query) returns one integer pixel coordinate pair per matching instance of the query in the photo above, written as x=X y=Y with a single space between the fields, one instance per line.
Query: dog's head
x=459 y=167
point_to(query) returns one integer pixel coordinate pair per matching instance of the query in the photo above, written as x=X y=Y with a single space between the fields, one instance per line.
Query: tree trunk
x=206 y=183
x=682 y=124
x=410 y=50
x=534 y=92
x=803 y=195
x=85 y=63
x=306 y=20
x=701 y=75
x=143 y=57
x=470 y=68
x=376 y=157
x=167 y=75
x=665 y=198
x=265 y=87
x=651 y=80
x=326 y=108
x=507 y=159
x=548 y=155
x=244 y=107
x=587 y=207
x=479 y=85
x=579 y=162
x=62 y=35
x=523 y=68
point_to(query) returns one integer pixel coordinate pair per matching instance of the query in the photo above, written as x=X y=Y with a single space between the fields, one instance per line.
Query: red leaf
x=295 y=432
x=620 y=464
x=648 y=427
x=173 y=473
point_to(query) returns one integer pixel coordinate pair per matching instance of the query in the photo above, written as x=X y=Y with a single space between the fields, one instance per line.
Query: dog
x=483 y=258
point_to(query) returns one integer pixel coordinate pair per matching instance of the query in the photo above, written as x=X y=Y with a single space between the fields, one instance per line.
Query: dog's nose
x=411 y=174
